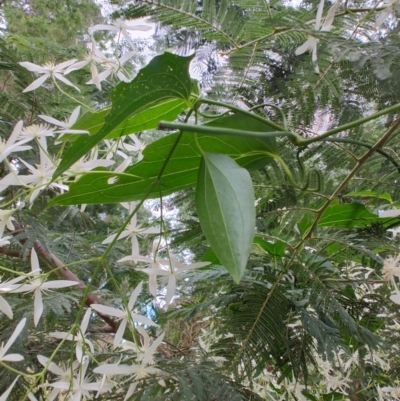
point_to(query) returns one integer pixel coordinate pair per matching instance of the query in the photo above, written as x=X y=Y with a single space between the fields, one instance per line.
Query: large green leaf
x=165 y=77
x=181 y=171
x=144 y=120
x=349 y=215
x=225 y=206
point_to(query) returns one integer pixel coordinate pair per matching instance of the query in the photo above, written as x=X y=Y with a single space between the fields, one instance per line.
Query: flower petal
x=58 y=284
x=52 y=120
x=134 y=295
x=107 y=310
x=34 y=261
x=38 y=306
x=6 y=308
x=65 y=80
x=12 y=358
x=35 y=84
x=120 y=332
x=170 y=289
x=52 y=367
x=5 y=395
x=14 y=335
x=114 y=369
x=85 y=321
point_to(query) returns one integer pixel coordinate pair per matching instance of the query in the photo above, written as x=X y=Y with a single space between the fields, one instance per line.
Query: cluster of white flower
x=72 y=381
x=325 y=25
x=391 y=269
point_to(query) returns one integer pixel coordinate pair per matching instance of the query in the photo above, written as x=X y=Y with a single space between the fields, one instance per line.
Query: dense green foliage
x=264 y=147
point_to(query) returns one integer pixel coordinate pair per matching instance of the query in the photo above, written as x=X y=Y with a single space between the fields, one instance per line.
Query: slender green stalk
x=239 y=110
x=206 y=129
x=353 y=124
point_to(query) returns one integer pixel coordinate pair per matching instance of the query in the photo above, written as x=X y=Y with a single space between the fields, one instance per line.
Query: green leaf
x=371 y=194
x=226 y=208
x=182 y=169
x=165 y=77
x=348 y=215
x=275 y=249
x=144 y=120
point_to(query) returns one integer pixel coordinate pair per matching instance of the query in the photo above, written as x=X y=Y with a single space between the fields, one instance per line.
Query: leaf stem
x=353 y=124
x=205 y=129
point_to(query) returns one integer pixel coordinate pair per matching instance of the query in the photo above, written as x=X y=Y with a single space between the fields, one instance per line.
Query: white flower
x=390 y=6
x=5 y=287
x=81 y=385
x=6 y=220
x=49 y=70
x=124 y=315
x=147 y=348
x=393 y=391
x=79 y=337
x=66 y=127
x=173 y=270
x=38 y=285
x=35 y=131
x=41 y=176
x=84 y=164
x=138 y=371
x=63 y=375
x=137 y=148
x=311 y=42
x=10 y=342
x=391 y=269
x=9 y=146
x=151 y=262
x=5 y=395
x=120 y=27
x=114 y=68
x=94 y=56
x=336 y=381
x=134 y=231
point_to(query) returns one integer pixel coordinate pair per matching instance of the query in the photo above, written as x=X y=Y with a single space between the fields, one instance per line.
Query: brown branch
x=67 y=274
x=11 y=254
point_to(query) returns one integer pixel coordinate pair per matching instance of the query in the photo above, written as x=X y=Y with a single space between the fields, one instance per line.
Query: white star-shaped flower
x=81 y=385
x=311 y=42
x=80 y=339
x=390 y=7
x=114 y=68
x=147 y=347
x=35 y=131
x=9 y=146
x=133 y=230
x=173 y=270
x=125 y=316
x=94 y=57
x=64 y=375
x=66 y=126
x=48 y=70
x=137 y=371
x=136 y=148
x=41 y=175
x=38 y=284
x=120 y=27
